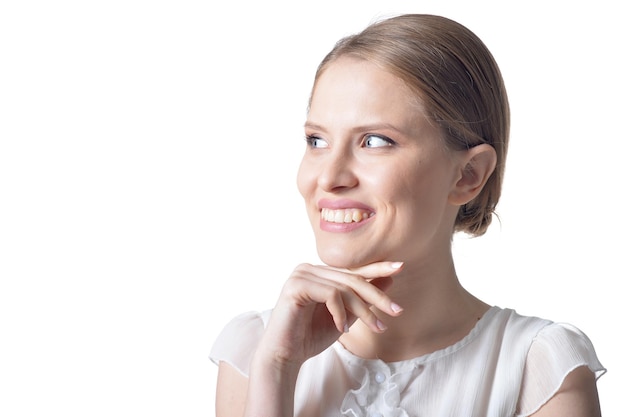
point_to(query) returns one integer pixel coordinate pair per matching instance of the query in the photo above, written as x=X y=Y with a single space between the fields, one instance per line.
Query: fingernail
x=381 y=325
x=396 y=265
x=396 y=308
x=346 y=328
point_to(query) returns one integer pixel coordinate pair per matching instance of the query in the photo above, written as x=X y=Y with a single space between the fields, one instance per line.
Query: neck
x=438 y=312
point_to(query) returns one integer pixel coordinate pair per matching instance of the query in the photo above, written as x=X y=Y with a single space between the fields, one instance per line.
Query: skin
x=370 y=142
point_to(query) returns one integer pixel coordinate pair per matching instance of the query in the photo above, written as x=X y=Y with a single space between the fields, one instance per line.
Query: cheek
x=304 y=179
x=393 y=181
x=410 y=191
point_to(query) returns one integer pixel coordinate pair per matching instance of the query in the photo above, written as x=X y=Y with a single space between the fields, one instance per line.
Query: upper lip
x=343 y=203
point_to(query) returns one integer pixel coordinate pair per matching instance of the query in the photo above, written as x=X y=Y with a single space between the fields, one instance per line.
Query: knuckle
x=302 y=267
x=381 y=297
x=335 y=294
x=294 y=284
x=370 y=317
x=354 y=277
x=342 y=287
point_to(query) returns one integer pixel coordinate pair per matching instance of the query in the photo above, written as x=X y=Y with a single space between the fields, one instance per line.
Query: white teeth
x=351 y=215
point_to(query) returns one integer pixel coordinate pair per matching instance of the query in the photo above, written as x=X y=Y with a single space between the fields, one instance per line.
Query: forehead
x=352 y=90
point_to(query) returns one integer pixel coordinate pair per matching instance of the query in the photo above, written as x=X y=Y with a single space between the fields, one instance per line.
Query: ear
x=476 y=166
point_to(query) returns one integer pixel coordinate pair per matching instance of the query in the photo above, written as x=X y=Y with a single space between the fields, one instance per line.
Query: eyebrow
x=362 y=128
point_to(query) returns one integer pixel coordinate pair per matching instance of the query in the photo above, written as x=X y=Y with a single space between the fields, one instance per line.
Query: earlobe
x=477 y=165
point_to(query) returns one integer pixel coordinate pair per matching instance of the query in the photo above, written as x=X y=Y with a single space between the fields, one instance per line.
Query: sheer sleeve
x=556 y=351
x=238 y=340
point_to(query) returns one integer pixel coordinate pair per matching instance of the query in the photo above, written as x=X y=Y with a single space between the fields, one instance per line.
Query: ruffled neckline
x=473 y=333
x=380 y=383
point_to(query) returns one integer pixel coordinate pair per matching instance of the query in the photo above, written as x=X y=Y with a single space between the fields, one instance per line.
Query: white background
x=148 y=152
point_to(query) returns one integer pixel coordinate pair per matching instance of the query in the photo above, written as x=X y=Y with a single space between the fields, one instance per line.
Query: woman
x=407 y=134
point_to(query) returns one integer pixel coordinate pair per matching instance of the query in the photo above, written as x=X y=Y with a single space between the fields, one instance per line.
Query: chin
x=338 y=258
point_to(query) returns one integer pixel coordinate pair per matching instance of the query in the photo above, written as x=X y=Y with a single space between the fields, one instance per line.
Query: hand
x=319 y=303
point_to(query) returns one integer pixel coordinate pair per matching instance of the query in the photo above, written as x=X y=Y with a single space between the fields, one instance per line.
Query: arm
x=271 y=388
x=315 y=307
x=577 y=397
x=232 y=387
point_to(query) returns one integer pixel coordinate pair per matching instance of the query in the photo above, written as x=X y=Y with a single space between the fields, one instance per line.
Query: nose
x=337 y=172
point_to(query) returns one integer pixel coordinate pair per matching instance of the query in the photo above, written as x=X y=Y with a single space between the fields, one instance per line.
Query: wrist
x=275 y=361
x=271 y=386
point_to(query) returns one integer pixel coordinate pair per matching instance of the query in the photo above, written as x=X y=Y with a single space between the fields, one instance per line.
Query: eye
x=377 y=141
x=316 y=142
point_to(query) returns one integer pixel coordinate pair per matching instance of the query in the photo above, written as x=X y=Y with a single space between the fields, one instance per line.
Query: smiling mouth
x=351 y=215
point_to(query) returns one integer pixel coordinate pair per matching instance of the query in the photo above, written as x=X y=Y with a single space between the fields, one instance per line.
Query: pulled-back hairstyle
x=456 y=78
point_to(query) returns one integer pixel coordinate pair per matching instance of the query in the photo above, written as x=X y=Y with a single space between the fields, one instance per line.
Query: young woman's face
x=375 y=176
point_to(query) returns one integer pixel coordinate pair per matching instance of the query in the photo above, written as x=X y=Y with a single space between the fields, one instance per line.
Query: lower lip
x=342 y=227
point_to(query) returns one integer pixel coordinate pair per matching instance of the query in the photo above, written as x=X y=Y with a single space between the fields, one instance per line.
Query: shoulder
x=560 y=357
x=577 y=396
x=561 y=347
x=236 y=343
x=508 y=332
x=515 y=322
x=535 y=358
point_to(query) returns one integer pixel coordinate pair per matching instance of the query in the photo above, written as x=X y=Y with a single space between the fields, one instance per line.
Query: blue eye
x=377 y=141
x=316 y=142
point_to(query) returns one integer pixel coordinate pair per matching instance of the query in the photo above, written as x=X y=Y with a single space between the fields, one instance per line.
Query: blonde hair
x=456 y=79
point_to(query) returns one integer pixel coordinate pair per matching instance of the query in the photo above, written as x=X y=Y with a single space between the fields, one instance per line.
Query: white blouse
x=508 y=365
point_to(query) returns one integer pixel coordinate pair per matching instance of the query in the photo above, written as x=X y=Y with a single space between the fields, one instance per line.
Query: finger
x=357 y=307
x=357 y=302
x=377 y=269
x=337 y=309
x=307 y=289
x=367 y=272
x=370 y=293
x=343 y=303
